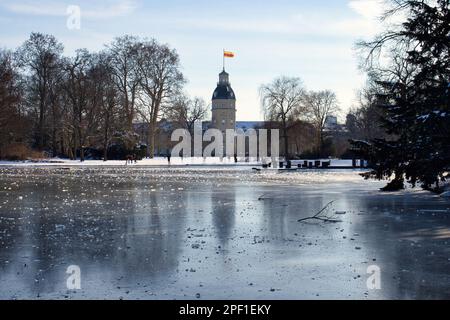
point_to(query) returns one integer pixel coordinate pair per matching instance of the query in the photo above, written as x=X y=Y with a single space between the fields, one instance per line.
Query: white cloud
x=368 y=9
x=371 y=12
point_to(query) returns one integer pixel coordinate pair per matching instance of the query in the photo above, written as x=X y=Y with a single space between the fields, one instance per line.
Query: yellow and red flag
x=228 y=54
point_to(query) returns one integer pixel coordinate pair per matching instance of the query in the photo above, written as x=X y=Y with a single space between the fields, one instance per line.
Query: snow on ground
x=160 y=161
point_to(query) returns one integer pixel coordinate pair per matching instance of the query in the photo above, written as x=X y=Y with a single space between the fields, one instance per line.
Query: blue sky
x=313 y=40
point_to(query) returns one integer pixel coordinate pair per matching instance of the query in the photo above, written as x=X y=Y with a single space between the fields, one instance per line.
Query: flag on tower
x=228 y=54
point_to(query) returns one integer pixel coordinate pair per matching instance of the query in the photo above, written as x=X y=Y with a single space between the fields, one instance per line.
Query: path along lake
x=216 y=233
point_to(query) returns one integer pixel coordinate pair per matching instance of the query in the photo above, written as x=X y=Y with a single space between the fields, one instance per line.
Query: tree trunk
x=74 y=146
x=320 y=142
x=286 y=141
x=151 y=140
x=81 y=153
x=130 y=122
x=62 y=148
x=105 y=151
x=41 y=126
x=105 y=140
x=131 y=111
x=54 y=143
x=81 y=147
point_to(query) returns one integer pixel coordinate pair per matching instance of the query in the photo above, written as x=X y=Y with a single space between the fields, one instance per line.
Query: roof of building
x=245 y=125
x=223 y=92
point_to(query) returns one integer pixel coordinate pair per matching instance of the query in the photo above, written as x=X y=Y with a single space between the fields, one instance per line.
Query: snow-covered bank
x=159 y=161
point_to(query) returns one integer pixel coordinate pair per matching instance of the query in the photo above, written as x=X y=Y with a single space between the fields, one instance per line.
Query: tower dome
x=224 y=90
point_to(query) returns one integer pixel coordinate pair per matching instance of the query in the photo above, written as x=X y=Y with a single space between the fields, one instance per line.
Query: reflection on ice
x=164 y=233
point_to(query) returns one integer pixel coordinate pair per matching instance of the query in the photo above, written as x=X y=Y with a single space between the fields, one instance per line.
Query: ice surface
x=216 y=233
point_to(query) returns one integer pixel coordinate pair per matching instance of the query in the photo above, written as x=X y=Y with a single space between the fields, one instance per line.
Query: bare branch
x=320 y=216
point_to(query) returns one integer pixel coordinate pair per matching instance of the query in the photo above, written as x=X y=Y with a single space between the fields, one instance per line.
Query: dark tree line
x=412 y=90
x=12 y=116
x=66 y=106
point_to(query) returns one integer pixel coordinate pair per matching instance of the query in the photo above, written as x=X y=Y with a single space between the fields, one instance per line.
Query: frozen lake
x=216 y=233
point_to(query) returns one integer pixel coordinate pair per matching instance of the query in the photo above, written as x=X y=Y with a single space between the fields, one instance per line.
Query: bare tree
x=122 y=54
x=40 y=57
x=56 y=108
x=364 y=122
x=281 y=100
x=108 y=96
x=319 y=105
x=11 y=117
x=185 y=111
x=160 y=81
x=81 y=89
x=86 y=101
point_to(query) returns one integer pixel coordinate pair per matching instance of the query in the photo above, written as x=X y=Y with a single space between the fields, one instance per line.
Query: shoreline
x=161 y=162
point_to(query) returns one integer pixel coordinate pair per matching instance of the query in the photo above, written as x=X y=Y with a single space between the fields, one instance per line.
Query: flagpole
x=223 y=54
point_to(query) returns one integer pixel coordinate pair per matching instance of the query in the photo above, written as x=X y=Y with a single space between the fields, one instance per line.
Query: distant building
x=245 y=125
x=223 y=118
x=332 y=125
